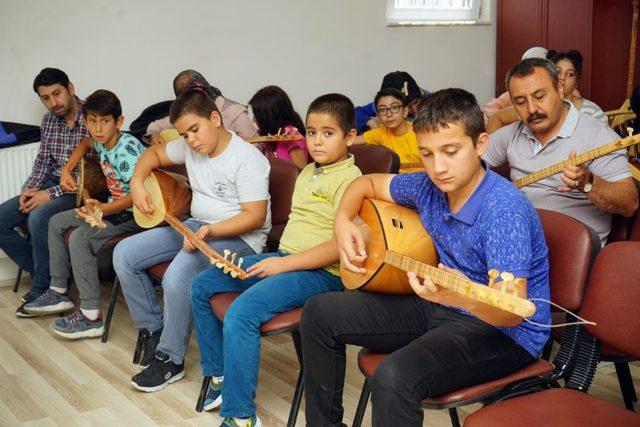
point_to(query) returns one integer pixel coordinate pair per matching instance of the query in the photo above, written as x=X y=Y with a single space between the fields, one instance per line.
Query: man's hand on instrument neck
x=575 y=177
x=350 y=244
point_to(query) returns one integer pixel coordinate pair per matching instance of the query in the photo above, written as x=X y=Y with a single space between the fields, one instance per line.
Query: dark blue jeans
x=232 y=349
x=33 y=255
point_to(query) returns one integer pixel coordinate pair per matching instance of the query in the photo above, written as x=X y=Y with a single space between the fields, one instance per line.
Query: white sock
x=90 y=314
x=61 y=291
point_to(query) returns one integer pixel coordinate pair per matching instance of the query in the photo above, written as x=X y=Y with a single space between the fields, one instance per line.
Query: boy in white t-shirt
x=229 y=209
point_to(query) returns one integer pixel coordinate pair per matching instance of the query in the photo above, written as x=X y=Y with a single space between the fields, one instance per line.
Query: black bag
x=18 y=134
x=152 y=113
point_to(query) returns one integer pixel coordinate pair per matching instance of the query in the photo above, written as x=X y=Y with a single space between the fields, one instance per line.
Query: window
x=430 y=12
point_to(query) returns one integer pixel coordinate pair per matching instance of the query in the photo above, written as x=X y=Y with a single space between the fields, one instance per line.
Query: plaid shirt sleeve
x=43 y=165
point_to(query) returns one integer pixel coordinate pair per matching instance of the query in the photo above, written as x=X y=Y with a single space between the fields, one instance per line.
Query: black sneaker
x=160 y=373
x=21 y=312
x=149 y=344
x=28 y=297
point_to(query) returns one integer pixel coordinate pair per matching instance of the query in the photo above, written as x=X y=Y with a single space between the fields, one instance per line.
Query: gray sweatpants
x=80 y=254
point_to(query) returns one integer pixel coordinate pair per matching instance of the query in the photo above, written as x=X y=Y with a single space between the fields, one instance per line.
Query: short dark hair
x=192 y=101
x=339 y=107
x=526 y=67
x=573 y=55
x=390 y=91
x=273 y=110
x=103 y=103
x=50 y=77
x=450 y=106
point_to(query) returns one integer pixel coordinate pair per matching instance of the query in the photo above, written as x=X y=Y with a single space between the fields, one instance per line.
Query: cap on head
x=406 y=84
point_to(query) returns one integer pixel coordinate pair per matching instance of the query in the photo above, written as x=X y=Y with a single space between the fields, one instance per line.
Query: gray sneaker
x=76 y=325
x=49 y=302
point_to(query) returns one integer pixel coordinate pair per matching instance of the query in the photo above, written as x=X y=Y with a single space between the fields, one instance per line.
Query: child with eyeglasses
x=395 y=132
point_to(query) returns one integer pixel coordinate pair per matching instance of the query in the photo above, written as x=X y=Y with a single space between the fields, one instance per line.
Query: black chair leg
x=626 y=384
x=17 y=282
x=206 y=381
x=362 y=403
x=143 y=335
x=453 y=414
x=297 y=395
x=112 y=305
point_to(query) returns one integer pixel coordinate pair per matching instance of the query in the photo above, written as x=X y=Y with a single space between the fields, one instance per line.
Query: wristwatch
x=589 y=185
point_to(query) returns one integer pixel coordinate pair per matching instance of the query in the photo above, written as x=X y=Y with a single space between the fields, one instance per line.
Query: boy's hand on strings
x=67 y=182
x=205 y=232
x=142 y=199
x=351 y=245
x=427 y=289
x=268 y=267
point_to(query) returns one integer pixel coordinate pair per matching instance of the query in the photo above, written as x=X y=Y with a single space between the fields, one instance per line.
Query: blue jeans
x=232 y=349
x=135 y=254
x=31 y=256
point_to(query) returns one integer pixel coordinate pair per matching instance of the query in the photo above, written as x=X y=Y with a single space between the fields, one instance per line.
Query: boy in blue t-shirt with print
x=118 y=154
x=437 y=340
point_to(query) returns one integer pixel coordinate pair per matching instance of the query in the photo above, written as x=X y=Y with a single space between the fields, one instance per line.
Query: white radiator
x=16 y=164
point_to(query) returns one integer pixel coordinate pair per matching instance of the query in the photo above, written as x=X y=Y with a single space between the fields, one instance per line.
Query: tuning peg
x=240 y=260
x=493 y=275
x=233 y=274
x=630 y=130
x=225 y=269
x=233 y=257
x=219 y=264
x=226 y=253
x=506 y=276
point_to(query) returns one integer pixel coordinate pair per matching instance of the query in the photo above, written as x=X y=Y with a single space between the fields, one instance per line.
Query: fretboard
x=578 y=160
x=274 y=138
x=439 y=277
x=463 y=286
x=213 y=255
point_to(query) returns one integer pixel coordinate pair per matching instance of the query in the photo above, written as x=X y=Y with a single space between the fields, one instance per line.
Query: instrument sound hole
x=397 y=223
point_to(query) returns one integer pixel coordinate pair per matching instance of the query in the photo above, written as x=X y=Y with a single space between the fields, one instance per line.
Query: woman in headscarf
x=234 y=115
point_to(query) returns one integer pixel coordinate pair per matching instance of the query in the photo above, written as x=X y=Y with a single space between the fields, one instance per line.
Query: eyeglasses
x=383 y=111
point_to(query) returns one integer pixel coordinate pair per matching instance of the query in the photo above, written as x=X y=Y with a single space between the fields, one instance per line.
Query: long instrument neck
x=578 y=160
x=439 y=277
x=197 y=242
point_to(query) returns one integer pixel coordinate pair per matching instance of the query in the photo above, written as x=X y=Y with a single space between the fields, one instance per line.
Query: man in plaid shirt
x=42 y=197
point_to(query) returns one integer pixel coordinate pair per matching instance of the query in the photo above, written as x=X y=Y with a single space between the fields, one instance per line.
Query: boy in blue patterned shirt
x=438 y=343
x=118 y=153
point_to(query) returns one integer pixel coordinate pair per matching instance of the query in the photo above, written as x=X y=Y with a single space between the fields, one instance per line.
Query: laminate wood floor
x=48 y=381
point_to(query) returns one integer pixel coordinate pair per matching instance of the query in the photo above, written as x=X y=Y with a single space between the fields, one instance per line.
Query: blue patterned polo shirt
x=496 y=228
x=118 y=163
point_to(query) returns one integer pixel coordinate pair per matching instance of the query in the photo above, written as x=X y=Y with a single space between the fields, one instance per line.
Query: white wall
x=308 y=47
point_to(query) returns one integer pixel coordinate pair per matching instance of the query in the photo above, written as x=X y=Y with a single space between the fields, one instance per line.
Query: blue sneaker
x=254 y=421
x=48 y=303
x=76 y=325
x=214 y=397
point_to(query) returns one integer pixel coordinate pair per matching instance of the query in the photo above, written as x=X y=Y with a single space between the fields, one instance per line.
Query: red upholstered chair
x=614 y=283
x=572 y=246
x=375 y=159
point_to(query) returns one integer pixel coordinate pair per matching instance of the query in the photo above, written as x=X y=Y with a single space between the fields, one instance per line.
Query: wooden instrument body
x=170 y=193
x=397 y=242
x=390 y=227
x=91 y=180
x=171 y=197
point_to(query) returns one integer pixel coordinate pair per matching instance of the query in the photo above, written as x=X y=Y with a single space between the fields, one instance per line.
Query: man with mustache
x=551 y=130
x=42 y=197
